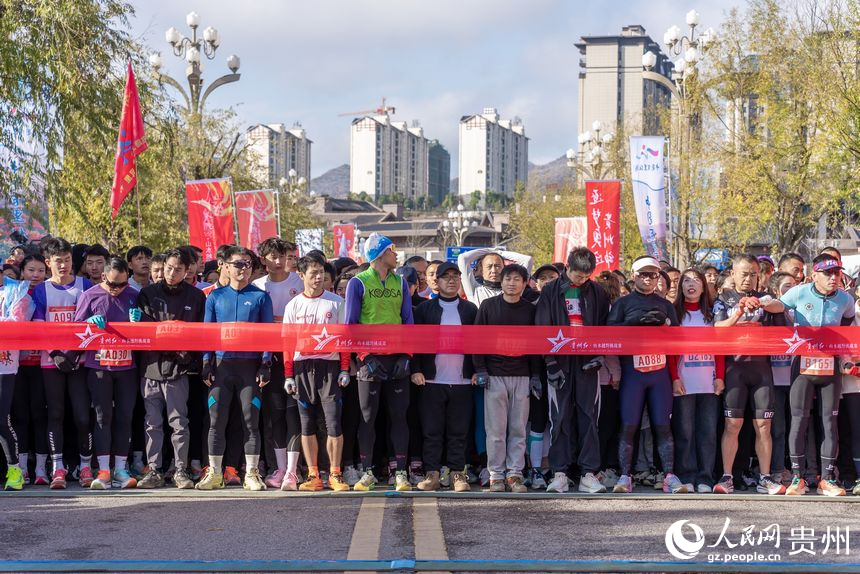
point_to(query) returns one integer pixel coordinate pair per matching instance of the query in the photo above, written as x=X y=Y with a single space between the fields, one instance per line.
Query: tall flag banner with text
x=570 y=232
x=649 y=192
x=131 y=143
x=210 y=214
x=603 y=206
x=255 y=211
x=344 y=240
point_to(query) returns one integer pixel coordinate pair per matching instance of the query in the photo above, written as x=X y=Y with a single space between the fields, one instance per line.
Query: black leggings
x=114 y=394
x=235 y=377
x=803 y=391
x=8 y=440
x=56 y=383
x=280 y=416
x=350 y=420
x=636 y=389
x=28 y=407
x=396 y=393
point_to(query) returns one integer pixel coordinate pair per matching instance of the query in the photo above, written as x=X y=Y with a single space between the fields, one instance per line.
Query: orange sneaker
x=102 y=481
x=312 y=484
x=86 y=477
x=337 y=483
x=231 y=476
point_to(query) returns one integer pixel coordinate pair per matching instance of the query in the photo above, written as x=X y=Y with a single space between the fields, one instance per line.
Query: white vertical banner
x=309 y=239
x=649 y=192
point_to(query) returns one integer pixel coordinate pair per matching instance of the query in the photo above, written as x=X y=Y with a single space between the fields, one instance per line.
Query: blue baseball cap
x=375 y=246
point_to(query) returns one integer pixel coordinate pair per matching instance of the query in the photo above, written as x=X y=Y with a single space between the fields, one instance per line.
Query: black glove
x=401 y=368
x=536 y=386
x=554 y=375
x=264 y=373
x=183 y=357
x=653 y=318
x=63 y=362
x=208 y=371
x=373 y=369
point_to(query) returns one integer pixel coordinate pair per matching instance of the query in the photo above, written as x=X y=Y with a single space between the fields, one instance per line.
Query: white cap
x=644 y=262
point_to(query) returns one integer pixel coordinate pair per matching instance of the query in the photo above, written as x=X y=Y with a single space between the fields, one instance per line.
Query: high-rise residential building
x=612 y=89
x=388 y=158
x=275 y=150
x=439 y=168
x=494 y=154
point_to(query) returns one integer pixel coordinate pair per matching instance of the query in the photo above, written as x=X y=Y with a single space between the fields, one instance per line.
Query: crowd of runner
x=693 y=423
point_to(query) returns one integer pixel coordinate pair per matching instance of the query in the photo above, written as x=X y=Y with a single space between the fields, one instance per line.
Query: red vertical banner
x=570 y=232
x=255 y=212
x=603 y=204
x=210 y=214
x=344 y=240
x=131 y=143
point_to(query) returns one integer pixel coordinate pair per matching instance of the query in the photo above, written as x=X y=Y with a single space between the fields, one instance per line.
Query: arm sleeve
x=209 y=317
x=525 y=260
x=82 y=310
x=145 y=307
x=40 y=303
x=616 y=314
x=789 y=299
x=354 y=295
x=406 y=304
x=720 y=311
x=674 y=360
x=267 y=316
x=673 y=316
x=464 y=262
x=720 y=364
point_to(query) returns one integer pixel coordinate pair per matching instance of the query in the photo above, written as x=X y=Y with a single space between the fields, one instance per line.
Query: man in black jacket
x=165 y=373
x=573 y=300
x=446 y=404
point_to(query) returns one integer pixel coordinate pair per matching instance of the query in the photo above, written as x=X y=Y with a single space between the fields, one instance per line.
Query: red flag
x=255 y=211
x=210 y=214
x=569 y=233
x=344 y=240
x=131 y=143
x=603 y=204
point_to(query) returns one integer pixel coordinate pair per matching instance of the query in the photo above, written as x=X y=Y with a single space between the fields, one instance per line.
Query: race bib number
x=114 y=357
x=61 y=314
x=648 y=363
x=816 y=366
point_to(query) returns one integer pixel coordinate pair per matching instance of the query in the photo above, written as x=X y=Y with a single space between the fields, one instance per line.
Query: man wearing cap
x=446 y=406
x=573 y=301
x=818 y=304
x=492 y=261
x=749 y=378
x=378 y=296
x=645 y=378
x=544 y=275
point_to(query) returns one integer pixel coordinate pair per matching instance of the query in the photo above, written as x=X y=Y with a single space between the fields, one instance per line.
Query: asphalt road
x=140 y=528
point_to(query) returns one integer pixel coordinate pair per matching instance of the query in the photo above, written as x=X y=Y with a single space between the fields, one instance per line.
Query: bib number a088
x=648 y=363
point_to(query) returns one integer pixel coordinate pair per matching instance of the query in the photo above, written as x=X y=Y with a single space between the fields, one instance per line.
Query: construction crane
x=382 y=110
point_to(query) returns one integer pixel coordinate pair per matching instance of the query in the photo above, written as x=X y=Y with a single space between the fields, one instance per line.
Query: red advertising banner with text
x=603 y=206
x=210 y=214
x=570 y=232
x=256 y=213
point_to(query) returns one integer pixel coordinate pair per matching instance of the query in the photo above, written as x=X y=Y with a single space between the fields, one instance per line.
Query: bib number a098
x=648 y=363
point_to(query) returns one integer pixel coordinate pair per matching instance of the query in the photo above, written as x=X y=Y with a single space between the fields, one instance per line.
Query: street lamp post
x=190 y=49
x=689 y=50
x=592 y=161
x=293 y=186
x=459 y=224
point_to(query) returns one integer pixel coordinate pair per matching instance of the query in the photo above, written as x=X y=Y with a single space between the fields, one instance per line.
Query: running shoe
x=41 y=480
x=470 y=474
x=139 y=469
x=646 y=477
x=590 y=484
x=749 y=479
x=856 y=490
x=726 y=485
x=290 y=482
x=497 y=485
x=351 y=475
x=392 y=475
x=86 y=477
x=445 y=477
x=515 y=484
x=401 y=481
x=560 y=483
x=231 y=476
x=624 y=485
x=276 y=479
x=416 y=474
x=211 y=480
x=538 y=482
x=829 y=487
x=484 y=476
x=673 y=484
x=704 y=489
x=102 y=481
x=797 y=487
x=14 y=478
x=26 y=475
x=182 y=481
x=431 y=482
x=58 y=481
x=312 y=484
x=337 y=483
x=461 y=482
x=690 y=487
x=766 y=485
x=123 y=479
x=253 y=480
x=152 y=479
x=197 y=471
x=366 y=482
x=658 y=481
x=608 y=477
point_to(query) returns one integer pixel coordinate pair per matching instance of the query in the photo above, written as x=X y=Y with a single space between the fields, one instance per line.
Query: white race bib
x=816 y=366
x=648 y=363
x=114 y=357
x=61 y=313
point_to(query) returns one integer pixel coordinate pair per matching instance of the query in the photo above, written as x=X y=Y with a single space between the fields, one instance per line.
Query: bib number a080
x=648 y=363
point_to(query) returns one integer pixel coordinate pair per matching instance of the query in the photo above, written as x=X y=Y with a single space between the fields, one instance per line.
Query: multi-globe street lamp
x=459 y=224
x=592 y=161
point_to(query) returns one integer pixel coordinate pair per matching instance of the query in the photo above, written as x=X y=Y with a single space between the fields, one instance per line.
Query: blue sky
x=434 y=61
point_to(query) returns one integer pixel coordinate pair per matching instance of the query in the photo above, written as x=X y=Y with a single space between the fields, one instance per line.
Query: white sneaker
x=351 y=475
x=590 y=484
x=690 y=487
x=658 y=481
x=703 y=489
x=608 y=477
x=560 y=483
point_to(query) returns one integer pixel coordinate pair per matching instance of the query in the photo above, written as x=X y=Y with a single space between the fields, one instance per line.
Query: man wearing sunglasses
x=233 y=375
x=112 y=377
x=818 y=304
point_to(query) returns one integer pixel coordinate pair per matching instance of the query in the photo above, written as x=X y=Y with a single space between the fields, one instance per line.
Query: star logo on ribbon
x=88 y=336
x=323 y=339
x=559 y=341
x=795 y=342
